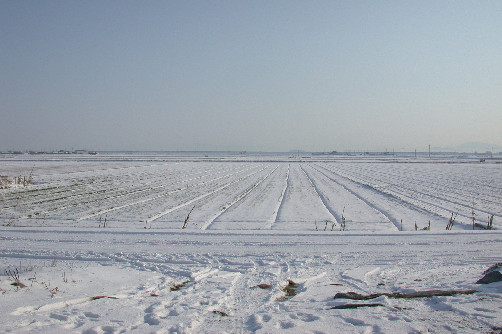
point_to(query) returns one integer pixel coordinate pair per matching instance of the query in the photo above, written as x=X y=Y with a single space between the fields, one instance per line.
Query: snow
x=254 y=223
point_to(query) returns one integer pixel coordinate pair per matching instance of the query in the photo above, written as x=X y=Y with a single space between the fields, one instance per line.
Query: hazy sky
x=249 y=75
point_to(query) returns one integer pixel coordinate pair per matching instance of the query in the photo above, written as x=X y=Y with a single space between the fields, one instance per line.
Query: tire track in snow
x=238 y=199
x=322 y=198
x=371 y=205
x=281 y=200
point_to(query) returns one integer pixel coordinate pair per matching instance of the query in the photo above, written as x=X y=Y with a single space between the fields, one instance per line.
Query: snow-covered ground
x=264 y=249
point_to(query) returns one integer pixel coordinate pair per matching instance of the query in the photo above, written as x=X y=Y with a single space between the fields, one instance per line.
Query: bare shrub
x=5 y=182
x=489 y=225
x=451 y=221
x=14 y=276
x=10 y=222
x=428 y=227
x=103 y=222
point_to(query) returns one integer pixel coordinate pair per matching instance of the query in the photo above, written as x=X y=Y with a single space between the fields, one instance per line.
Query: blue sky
x=250 y=75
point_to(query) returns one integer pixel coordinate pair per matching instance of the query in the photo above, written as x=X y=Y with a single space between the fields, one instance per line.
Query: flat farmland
x=271 y=244
x=349 y=194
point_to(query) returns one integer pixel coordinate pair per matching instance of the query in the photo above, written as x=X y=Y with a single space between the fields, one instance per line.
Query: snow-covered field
x=99 y=245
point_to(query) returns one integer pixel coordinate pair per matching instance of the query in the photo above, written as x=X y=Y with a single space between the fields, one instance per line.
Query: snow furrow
x=161 y=214
x=336 y=217
x=281 y=200
x=236 y=200
x=148 y=199
x=372 y=205
x=403 y=192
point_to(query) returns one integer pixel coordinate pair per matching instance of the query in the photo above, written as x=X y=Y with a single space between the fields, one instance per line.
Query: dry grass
x=177 y=286
x=185 y=223
x=352 y=306
x=223 y=314
x=6 y=182
x=289 y=290
x=418 y=294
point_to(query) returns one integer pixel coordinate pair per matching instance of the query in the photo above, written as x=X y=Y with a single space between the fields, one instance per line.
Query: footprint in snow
x=59 y=317
x=285 y=324
x=305 y=317
x=151 y=319
x=91 y=315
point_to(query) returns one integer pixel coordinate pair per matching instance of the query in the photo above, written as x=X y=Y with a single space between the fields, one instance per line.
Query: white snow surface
x=253 y=221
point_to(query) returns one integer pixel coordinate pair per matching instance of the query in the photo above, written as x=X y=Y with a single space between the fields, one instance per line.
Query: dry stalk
x=186 y=219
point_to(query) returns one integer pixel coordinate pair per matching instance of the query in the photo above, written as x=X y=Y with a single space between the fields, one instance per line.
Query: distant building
x=325 y=153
